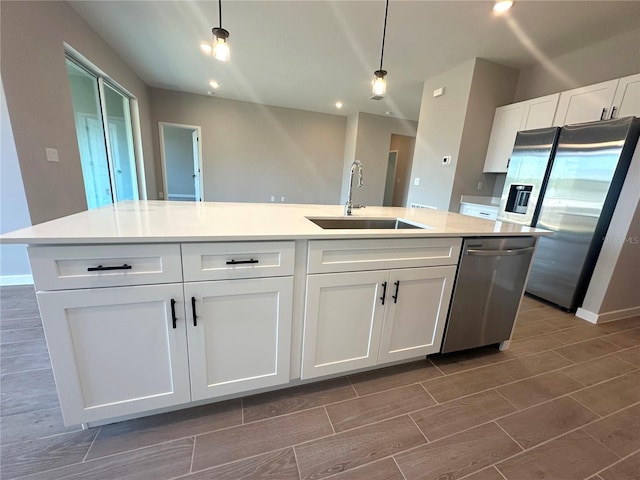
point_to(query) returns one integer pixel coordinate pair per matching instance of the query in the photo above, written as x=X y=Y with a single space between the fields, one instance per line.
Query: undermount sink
x=364 y=223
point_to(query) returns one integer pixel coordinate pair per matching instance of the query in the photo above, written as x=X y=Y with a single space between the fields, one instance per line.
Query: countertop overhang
x=155 y=221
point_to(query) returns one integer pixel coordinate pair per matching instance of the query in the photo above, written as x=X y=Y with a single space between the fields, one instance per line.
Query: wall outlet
x=438 y=92
x=446 y=160
x=52 y=155
x=416 y=181
x=273 y=198
x=479 y=187
x=282 y=199
x=161 y=195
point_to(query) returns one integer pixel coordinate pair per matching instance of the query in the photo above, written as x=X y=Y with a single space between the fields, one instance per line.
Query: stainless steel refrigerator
x=567 y=180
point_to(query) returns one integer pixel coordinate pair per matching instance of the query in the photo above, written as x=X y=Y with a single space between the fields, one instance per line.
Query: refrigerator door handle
x=500 y=253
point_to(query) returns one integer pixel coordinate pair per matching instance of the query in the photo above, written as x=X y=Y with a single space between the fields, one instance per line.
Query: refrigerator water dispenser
x=518 y=198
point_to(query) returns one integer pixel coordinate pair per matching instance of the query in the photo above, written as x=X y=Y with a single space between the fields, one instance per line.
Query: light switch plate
x=416 y=181
x=52 y=154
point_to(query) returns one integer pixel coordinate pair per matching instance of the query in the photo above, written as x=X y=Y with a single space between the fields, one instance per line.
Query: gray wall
x=251 y=152
x=458 y=124
x=178 y=158
x=14 y=214
x=405 y=147
x=615 y=57
x=373 y=139
x=39 y=101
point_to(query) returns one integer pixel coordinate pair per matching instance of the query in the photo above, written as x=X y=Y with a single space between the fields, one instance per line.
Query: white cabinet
x=585 y=104
x=626 y=101
x=116 y=351
x=612 y=99
x=119 y=350
x=239 y=335
x=364 y=318
x=488 y=212
x=416 y=312
x=509 y=120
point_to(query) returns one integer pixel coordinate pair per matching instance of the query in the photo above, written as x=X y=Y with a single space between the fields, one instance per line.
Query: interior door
x=197 y=178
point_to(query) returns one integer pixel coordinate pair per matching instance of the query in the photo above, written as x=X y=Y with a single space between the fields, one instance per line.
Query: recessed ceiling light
x=338 y=104
x=502 y=6
x=214 y=84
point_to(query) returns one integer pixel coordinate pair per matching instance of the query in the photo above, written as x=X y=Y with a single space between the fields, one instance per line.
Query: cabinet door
x=627 y=99
x=343 y=320
x=506 y=124
x=418 y=302
x=585 y=104
x=115 y=351
x=539 y=112
x=241 y=338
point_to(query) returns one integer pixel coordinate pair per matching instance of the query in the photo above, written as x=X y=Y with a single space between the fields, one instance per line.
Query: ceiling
x=309 y=54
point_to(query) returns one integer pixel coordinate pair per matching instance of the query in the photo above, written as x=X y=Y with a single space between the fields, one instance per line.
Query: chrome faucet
x=356 y=166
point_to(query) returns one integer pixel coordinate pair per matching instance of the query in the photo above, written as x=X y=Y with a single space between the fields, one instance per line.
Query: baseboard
x=607 y=316
x=7 y=280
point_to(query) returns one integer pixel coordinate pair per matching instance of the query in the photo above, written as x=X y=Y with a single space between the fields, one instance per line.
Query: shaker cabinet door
x=585 y=104
x=343 y=320
x=119 y=349
x=627 y=100
x=241 y=337
x=416 y=312
x=506 y=124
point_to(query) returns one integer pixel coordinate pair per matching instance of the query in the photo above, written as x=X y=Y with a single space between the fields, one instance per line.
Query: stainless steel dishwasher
x=490 y=282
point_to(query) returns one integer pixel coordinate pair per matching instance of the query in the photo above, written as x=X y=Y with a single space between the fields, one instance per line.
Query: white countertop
x=480 y=200
x=165 y=221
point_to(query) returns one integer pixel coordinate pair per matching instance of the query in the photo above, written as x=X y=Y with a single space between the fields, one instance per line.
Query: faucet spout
x=356 y=168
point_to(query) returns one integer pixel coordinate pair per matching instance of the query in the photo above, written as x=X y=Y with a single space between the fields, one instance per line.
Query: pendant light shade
x=379 y=83
x=220 y=44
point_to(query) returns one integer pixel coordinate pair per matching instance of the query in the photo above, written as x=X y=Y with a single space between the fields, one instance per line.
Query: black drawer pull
x=395 y=297
x=240 y=262
x=100 y=268
x=173 y=312
x=384 y=292
x=193 y=311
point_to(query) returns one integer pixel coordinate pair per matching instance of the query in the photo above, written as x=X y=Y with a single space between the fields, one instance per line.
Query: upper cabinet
x=626 y=102
x=603 y=101
x=613 y=99
x=509 y=120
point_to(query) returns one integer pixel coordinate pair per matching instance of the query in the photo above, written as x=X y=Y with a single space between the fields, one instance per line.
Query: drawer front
x=69 y=267
x=224 y=261
x=327 y=256
x=486 y=212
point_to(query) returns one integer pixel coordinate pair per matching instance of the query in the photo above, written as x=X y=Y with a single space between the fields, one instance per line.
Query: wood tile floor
x=562 y=404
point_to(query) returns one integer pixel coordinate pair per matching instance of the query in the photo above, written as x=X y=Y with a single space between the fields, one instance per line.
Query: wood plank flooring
x=563 y=403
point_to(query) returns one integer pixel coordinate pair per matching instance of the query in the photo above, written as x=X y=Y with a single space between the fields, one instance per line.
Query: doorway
x=181 y=156
x=390 y=182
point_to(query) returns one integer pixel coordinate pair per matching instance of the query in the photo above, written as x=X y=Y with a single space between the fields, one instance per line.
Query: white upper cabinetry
x=613 y=99
x=509 y=120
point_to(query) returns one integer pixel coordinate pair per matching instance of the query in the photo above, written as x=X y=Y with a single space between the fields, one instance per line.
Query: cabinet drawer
x=69 y=267
x=221 y=261
x=327 y=256
x=480 y=211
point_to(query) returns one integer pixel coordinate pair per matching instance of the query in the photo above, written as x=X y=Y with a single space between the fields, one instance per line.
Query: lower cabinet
x=360 y=319
x=239 y=334
x=116 y=351
x=124 y=350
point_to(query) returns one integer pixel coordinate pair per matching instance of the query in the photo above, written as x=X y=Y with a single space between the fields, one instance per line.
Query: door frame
x=163 y=164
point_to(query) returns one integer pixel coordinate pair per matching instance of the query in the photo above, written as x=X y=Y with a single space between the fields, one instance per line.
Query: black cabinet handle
x=613 y=113
x=173 y=312
x=395 y=297
x=239 y=262
x=384 y=292
x=603 y=114
x=193 y=311
x=100 y=268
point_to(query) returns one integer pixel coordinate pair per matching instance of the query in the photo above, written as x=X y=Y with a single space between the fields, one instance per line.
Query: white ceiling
x=310 y=54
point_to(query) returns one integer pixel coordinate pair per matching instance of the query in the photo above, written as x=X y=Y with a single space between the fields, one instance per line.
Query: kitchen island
x=149 y=306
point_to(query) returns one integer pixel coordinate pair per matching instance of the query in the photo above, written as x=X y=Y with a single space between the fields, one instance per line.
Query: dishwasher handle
x=500 y=253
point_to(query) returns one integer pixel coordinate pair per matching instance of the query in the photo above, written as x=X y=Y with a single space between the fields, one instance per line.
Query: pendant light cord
x=220 y=12
x=384 y=32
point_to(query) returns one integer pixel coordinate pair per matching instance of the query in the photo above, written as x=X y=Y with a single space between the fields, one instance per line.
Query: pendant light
x=380 y=76
x=220 y=48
